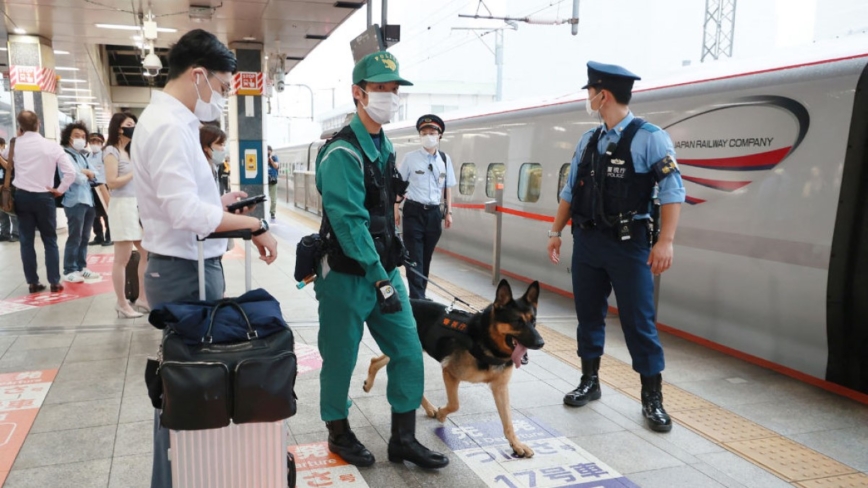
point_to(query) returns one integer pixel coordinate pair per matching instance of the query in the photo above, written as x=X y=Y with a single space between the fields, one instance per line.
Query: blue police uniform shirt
x=426 y=175
x=650 y=145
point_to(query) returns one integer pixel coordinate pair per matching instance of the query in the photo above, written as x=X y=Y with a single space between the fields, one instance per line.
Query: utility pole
x=718 y=29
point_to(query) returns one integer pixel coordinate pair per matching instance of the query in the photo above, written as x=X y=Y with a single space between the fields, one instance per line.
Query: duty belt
x=422 y=205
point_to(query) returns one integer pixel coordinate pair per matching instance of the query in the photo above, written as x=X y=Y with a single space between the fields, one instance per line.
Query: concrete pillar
x=33 y=81
x=86 y=114
x=246 y=123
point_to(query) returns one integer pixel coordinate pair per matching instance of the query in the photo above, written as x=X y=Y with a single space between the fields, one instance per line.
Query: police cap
x=609 y=76
x=430 y=120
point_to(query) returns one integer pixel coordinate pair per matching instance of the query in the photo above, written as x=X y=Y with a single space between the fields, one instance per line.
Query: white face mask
x=588 y=104
x=218 y=156
x=79 y=144
x=95 y=148
x=382 y=106
x=430 y=141
x=208 y=112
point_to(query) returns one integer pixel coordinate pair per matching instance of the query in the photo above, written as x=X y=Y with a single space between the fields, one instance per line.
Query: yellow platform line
x=789 y=460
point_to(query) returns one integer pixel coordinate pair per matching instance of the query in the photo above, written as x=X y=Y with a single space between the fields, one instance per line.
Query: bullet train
x=771 y=253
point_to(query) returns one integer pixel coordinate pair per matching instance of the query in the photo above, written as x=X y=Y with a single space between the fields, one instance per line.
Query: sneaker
x=90 y=275
x=74 y=277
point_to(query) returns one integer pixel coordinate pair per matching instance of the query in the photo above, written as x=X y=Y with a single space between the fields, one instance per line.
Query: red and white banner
x=248 y=83
x=32 y=78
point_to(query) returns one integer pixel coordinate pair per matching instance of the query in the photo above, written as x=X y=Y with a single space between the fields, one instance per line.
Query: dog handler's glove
x=387 y=297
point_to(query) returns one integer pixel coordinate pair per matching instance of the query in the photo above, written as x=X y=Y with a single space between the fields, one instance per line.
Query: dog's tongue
x=517 y=354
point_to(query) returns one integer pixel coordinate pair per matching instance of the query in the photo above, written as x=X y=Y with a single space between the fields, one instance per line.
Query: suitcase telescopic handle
x=246 y=235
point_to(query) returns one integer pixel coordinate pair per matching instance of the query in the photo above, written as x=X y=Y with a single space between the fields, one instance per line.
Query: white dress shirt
x=176 y=193
x=36 y=161
x=427 y=174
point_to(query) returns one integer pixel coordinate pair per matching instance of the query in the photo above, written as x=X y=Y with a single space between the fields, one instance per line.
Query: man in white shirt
x=36 y=160
x=428 y=200
x=177 y=197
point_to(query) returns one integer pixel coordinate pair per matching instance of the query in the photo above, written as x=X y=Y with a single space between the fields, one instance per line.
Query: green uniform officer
x=359 y=281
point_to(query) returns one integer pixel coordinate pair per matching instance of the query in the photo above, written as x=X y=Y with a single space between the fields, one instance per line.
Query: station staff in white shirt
x=428 y=203
x=177 y=197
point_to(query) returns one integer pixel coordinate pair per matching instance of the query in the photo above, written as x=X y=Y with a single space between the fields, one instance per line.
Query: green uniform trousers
x=346 y=303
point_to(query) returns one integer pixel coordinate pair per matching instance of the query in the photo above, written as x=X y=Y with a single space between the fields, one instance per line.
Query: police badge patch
x=665 y=167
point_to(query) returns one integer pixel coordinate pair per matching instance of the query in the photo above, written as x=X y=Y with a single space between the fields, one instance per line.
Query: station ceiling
x=295 y=27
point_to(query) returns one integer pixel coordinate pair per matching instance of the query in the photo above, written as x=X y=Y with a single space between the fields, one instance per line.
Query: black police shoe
x=343 y=442
x=652 y=404
x=589 y=386
x=403 y=445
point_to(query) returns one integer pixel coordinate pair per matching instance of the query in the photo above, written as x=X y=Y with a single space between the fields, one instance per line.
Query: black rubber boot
x=403 y=445
x=652 y=404
x=343 y=442
x=589 y=386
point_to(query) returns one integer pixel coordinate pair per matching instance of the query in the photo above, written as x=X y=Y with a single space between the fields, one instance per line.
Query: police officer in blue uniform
x=624 y=197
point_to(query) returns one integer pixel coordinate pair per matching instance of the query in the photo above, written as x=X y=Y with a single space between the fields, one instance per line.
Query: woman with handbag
x=123 y=214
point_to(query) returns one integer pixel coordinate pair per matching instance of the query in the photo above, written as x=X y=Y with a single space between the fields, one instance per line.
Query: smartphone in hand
x=247 y=202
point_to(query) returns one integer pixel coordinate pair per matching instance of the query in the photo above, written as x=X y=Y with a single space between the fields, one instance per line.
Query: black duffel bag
x=208 y=384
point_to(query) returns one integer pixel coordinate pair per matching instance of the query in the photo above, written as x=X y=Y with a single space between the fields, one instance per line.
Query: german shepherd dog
x=478 y=348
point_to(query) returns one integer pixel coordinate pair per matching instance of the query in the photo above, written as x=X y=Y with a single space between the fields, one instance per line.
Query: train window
x=495 y=174
x=529 y=182
x=467 y=183
x=563 y=177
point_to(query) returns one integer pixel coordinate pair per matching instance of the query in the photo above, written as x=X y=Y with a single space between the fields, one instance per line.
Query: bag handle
x=251 y=334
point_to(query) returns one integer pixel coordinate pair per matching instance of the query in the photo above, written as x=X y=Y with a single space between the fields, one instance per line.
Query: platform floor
x=74 y=410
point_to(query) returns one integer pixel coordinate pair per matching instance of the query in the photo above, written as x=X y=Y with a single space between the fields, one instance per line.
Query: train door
x=847 y=299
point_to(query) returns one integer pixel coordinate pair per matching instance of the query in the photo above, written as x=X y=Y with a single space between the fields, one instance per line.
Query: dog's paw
x=441 y=414
x=521 y=450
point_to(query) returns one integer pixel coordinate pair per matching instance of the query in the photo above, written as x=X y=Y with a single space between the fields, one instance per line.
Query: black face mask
x=127 y=131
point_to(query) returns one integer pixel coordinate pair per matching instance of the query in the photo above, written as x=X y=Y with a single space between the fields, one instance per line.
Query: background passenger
x=77 y=205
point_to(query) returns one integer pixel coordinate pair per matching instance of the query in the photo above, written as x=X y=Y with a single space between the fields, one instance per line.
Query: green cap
x=379 y=67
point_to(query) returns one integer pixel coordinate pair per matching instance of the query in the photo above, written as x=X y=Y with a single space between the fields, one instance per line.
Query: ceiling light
x=2 y=48
x=76 y=90
x=248 y=38
x=137 y=38
x=80 y=97
x=58 y=51
x=65 y=68
x=72 y=80
x=19 y=30
x=132 y=27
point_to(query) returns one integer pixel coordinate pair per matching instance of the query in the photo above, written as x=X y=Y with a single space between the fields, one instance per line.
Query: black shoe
x=108 y=243
x=36 y=287
x=273 y=218
x=5 y=238
x=56 y=288
x=343 y=442
x=13 y=239
x=95 y=242
x=403 y=445
x=589 y=386
x=652 y=404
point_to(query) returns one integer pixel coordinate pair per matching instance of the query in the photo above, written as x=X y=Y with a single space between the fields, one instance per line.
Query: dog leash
x=411 y=266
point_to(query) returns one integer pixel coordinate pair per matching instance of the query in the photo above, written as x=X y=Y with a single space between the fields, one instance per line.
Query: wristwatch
x=554 y=234
x=263 y=228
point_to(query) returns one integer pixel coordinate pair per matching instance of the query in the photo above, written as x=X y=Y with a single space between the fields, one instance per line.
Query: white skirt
x=123 y=216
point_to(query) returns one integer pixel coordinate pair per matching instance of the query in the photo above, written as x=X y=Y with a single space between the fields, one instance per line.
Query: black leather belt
x=422 y=205
x=160 y=257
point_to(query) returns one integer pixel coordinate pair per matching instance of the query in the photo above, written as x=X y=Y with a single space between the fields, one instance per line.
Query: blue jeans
x=37 y=211
x=173 y=280
x=79 y=222
x=8 y=225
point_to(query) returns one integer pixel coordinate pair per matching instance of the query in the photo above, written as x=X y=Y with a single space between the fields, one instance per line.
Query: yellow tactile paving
x=789 y=459
x=722 y=425
x=859 y=480
x=785 y=458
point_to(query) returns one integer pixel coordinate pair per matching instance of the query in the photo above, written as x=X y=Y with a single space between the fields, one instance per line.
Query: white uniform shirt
x=176 y=193
x=426 y=174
